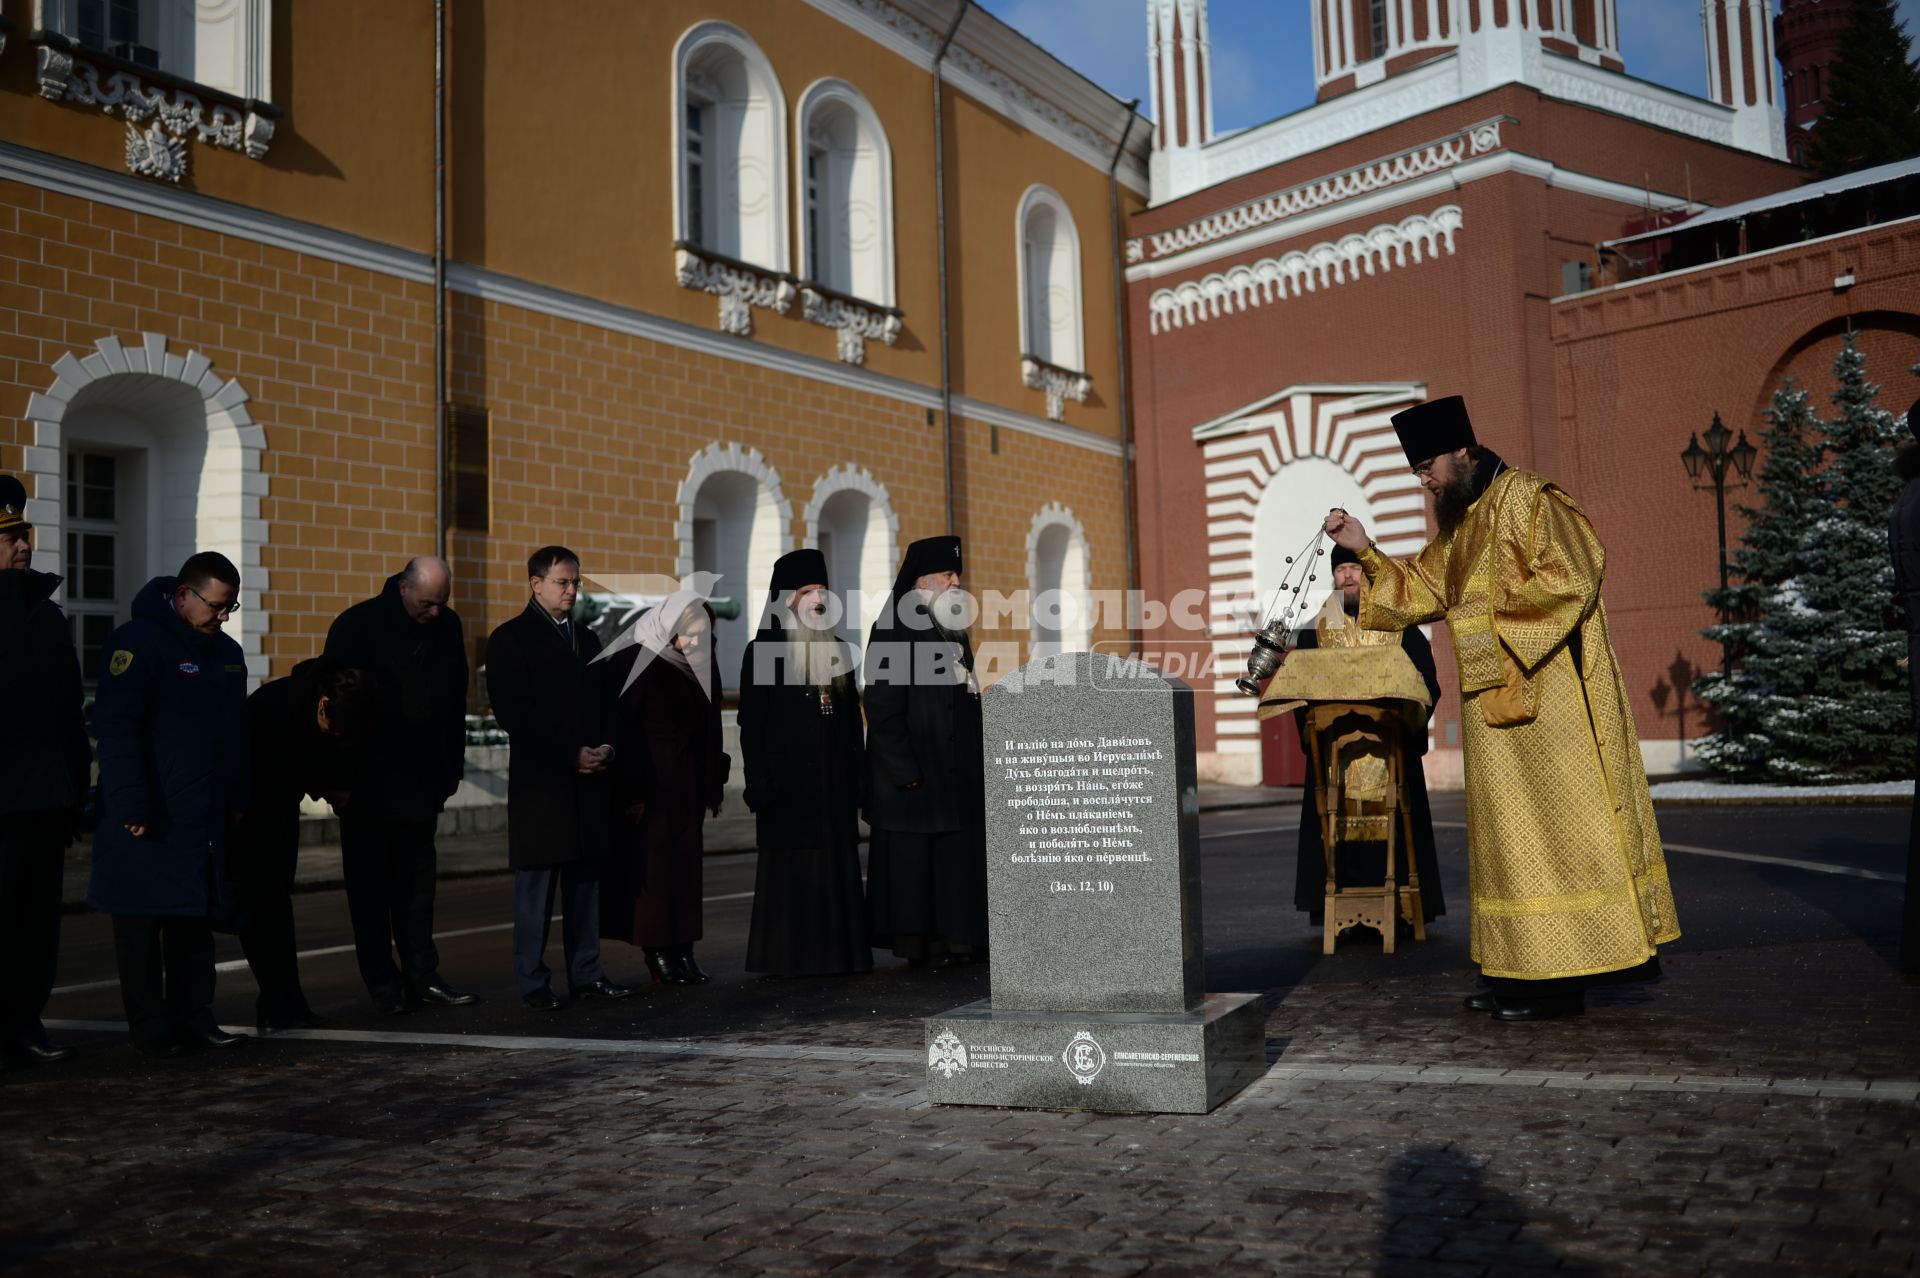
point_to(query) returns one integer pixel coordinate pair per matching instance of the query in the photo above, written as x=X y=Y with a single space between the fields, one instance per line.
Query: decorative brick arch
x=1341 y=433
x=192 y=417
x=753 y=531
x=879 y=551
x=1075 y=577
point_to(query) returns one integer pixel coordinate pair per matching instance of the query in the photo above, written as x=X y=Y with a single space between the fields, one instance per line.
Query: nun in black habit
x=926 y=868
x=1363 y=863
x=802 y=745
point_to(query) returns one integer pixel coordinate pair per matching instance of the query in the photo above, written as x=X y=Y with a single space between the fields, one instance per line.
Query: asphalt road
x=1743 y=878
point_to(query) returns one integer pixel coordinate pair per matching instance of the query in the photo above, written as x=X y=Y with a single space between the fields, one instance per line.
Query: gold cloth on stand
x=1346 y=674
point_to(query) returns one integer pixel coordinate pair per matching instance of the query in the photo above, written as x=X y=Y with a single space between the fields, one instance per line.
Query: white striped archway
x=1312 y=447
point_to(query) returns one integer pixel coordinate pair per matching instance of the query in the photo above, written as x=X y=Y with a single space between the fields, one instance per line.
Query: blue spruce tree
x=1817 y=695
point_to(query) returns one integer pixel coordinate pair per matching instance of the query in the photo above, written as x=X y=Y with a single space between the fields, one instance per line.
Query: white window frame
x=189 y=35
x=1073 y=359
x=768 y=250
x=812 y=205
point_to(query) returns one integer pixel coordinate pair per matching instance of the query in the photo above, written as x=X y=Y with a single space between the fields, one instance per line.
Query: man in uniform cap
x=44 y=784
x=1338 y=626
x=1568 y=877
x=926 y=868
x=1903 y=539
x=801 y=737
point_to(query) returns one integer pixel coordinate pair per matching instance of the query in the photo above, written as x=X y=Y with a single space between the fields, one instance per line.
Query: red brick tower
x=1740 y=70
x=1806 y=34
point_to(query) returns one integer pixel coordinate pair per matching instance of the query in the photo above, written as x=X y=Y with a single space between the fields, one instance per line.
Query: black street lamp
x=1713 y=461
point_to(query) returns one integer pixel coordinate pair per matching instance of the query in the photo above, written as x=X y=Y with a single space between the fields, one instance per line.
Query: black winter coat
x=171 y=719
x=292 y=758
x=41 y=699
x=666 y=740
x=552 y=706
x=417 y=750
x=805 y=771
x=923 y=724
x=1903 y=540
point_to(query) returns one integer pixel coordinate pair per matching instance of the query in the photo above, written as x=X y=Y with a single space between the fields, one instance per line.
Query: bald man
x=408 y=640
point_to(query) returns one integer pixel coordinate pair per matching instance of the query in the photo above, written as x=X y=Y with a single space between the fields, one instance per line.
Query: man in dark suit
x=927 y=868
x=408 y=642
x=302 y=731
x=171 y=718
x=554 y=711
x=43 y=786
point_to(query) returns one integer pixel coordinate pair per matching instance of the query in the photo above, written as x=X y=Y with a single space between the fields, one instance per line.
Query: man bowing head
x=1568 y=877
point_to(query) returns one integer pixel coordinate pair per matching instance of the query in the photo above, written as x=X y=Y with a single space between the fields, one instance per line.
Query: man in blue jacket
x=171 y=719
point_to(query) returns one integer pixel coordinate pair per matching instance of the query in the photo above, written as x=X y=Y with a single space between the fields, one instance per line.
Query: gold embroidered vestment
x=1563 y=855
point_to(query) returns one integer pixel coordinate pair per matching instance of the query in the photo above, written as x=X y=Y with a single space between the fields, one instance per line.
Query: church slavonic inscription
x=1081 y=803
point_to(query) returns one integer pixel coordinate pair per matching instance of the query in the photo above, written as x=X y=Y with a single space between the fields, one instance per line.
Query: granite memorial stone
x=1093 y=880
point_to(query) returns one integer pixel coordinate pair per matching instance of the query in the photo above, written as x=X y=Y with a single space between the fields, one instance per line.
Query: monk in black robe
x=1365 y=863
x=802 y=746
x=927 y=866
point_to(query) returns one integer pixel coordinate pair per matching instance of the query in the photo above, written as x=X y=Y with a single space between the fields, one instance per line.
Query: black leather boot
x=690 y=968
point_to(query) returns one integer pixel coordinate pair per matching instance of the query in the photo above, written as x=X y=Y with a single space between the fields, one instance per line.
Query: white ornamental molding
x=740 y=286
x=159 y=150
x=1325 y=265
x=855 y=320
x=1432 y=157
x=1060 y=384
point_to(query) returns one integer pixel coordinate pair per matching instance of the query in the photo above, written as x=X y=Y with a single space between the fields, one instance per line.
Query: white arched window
x=844 y=208
x=851 y=521
x=730 y=172
x=1052 y=344
x=1060 y=576
x=734 y=522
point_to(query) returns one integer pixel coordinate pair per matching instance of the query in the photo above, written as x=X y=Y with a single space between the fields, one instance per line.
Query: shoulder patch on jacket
x=119 y=662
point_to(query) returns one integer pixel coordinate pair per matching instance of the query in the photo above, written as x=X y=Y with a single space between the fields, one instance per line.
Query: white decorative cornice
x=1060 y=384
x=160 y=150
x=856 y=321
x=982 y=63
x=1573 y=81
x=738 y=285
x=1326 y=264
x=1362 y=179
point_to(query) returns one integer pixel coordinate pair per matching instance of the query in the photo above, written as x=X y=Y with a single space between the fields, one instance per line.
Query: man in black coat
x=806 y=768
x=1338 y=626
x=42 y=788
x=408 y=642
x=927 y=866
x=1903 y=540
x=554 y=711
x=171 y=719
x=302 y=731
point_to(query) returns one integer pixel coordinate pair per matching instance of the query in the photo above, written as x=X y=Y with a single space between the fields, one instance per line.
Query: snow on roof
x=1781 y=199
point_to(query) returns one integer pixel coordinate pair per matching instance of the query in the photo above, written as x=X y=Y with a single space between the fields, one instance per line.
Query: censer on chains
x=1271 y=642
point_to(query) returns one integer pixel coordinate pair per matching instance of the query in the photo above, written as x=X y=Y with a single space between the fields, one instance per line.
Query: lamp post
x=1713 y=461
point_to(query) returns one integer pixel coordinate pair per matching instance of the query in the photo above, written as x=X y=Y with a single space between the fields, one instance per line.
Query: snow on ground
x=1758 y=793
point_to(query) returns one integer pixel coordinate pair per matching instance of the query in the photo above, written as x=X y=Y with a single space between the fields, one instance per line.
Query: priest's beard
x=816 y=651
x=948 y=613
x=1450 y=503
x=1350 y=602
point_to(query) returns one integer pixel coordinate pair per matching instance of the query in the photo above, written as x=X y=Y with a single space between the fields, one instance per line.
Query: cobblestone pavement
x=1752 y=1114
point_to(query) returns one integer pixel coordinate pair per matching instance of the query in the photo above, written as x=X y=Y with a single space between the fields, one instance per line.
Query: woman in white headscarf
x=668 y=773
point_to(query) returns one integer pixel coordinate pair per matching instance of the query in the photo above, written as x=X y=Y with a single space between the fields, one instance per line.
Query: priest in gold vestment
x=1564 y=863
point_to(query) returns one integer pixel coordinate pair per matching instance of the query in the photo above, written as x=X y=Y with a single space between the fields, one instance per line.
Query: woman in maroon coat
x=668 y=773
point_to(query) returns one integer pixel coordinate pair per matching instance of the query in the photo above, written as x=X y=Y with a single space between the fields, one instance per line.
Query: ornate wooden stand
x=1353 y=756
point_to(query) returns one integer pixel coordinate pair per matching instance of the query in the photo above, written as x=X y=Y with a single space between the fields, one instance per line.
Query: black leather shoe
x=39 y=1053
x=162 y=1048
x=440 y=994
x=1548 y=1008
x=602 y=988
x=542 y=1001
x=214 y=1036
x=1481 y=1001
x=301 y=1017
x=390 y=1002
x=690 y=969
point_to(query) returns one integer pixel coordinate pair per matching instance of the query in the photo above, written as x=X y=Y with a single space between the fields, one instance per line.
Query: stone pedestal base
x=1114 y=1062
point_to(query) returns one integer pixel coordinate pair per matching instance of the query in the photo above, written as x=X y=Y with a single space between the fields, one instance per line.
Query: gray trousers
x=577 y=885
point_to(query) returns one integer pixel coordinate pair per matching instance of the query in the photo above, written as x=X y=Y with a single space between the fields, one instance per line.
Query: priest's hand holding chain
x=1345 y=530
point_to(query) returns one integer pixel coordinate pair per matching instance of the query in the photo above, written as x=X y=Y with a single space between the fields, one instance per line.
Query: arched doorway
x=851 y=521
x=734 y=522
